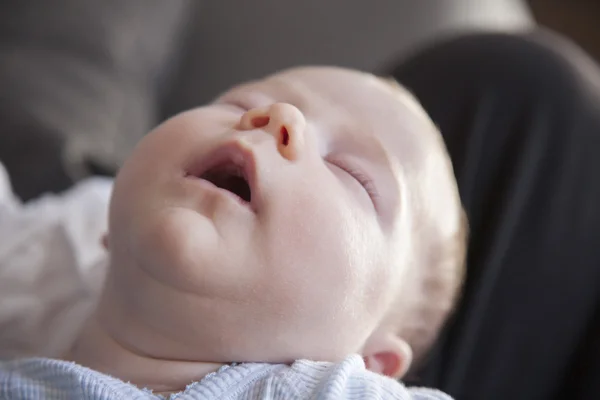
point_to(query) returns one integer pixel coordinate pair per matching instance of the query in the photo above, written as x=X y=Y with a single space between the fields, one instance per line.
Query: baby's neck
x=97 y=349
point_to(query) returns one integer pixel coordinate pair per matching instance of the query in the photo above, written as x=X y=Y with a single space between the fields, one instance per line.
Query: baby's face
x=270 y=225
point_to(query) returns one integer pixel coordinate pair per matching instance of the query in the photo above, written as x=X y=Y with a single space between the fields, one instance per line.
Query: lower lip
x=215 y=189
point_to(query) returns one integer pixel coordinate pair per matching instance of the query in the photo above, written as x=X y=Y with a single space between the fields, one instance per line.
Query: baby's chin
x=206 y=336
x=154 y=311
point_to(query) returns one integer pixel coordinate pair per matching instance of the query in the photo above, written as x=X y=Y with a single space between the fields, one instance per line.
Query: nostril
x=285 y=136
x=259 y=122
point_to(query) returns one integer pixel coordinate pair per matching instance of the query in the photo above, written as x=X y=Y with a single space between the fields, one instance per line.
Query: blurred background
x=576 y=19
x=83 y=81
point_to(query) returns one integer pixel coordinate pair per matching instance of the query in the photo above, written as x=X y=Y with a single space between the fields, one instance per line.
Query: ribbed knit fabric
x=47 y=379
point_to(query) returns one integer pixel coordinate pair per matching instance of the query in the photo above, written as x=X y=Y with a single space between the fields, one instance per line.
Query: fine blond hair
x=435 y=281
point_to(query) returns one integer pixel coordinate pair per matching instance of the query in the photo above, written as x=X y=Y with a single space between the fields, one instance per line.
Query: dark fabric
x=521 y=118
x=80 y=84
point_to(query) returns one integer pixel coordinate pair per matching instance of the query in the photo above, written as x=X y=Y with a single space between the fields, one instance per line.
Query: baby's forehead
x=332 y=86
x=381 y=106
x=361 y=93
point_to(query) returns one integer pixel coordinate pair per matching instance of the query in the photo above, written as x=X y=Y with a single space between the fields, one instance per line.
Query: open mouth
x=230 y=177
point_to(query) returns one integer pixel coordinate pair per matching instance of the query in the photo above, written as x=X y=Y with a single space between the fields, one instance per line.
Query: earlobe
x=388 y=355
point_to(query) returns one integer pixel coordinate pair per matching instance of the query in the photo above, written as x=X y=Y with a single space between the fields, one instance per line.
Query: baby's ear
x=387 y=354
x=104 y=241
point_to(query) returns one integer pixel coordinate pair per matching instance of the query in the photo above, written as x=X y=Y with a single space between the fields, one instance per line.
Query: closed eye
x=237 y=106
x=365 y=181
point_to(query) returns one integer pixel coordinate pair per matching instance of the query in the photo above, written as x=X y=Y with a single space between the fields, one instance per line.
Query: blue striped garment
x=47 y=379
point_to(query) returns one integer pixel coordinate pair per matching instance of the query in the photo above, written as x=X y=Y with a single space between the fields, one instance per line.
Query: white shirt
x=52 y=266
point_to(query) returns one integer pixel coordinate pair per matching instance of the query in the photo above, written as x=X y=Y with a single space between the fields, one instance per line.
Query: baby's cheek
x=367 y=270
x=327 y=248
x=344 y=245
x=169 y=245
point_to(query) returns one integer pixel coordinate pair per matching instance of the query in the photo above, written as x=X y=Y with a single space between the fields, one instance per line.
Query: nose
x=282 y=120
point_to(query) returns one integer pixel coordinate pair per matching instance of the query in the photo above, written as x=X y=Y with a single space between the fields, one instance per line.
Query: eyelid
x=365 y=181
x=237 y=104
x=247 y=101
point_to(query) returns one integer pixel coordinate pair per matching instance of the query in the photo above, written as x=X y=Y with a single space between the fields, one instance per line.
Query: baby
x=300 y=237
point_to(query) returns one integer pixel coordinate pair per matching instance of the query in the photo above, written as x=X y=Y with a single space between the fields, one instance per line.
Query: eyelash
x=361 y=178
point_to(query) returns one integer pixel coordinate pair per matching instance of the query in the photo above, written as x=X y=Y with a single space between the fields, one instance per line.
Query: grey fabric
x=79 y=83
x=82 y=81
x=234 y=40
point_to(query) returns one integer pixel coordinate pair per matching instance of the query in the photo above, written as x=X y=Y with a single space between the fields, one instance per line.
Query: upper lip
x=237 y=154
